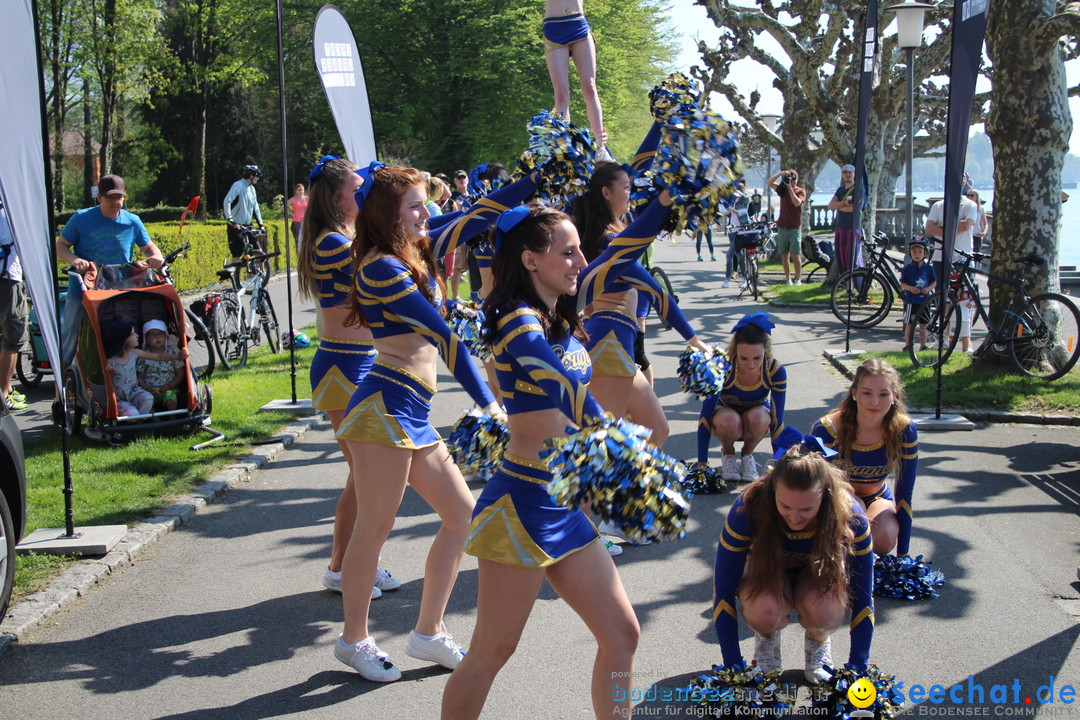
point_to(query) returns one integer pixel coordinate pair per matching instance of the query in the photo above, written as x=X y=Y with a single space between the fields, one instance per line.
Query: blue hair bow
x=317 y=170
x=508 y=221
x=759 y=319
x=789 y=437
x=366 y=174
x=475 y=186
x=815 y=444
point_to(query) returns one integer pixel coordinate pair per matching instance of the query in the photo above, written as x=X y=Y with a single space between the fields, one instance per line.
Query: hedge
x=209 y=249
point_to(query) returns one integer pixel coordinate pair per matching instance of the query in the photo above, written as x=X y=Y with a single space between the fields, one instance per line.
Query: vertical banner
x=337 y=61
x=22 y=165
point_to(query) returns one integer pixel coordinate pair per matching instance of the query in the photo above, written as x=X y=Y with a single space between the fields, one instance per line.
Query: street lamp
x=909 y=23
x=769 y=121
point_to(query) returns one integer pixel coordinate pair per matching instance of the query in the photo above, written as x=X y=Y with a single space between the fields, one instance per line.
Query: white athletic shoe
x=610 y=528
x=767 y=652
x=366 y=658
x=332 y=581
x=730 y=470
x=748 y=468
x=441 y=649
x=818 y=654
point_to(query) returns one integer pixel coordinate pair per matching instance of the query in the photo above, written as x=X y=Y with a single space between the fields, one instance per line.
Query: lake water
x=1069 y=247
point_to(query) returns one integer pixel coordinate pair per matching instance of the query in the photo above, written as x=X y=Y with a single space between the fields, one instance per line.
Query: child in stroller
x=121 y=348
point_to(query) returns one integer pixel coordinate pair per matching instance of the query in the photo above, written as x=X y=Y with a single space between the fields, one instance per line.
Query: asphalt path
x=226 y=617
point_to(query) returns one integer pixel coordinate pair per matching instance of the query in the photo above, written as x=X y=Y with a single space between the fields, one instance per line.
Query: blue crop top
x=867 y=466
x=736 y=541
x=332 y=269
x=393 y=305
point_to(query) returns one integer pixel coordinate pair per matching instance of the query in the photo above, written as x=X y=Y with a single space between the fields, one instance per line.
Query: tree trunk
x=1029 y=125
x=89 y=176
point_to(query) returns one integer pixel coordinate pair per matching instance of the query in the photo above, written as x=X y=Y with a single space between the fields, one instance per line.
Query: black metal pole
x=285 y=199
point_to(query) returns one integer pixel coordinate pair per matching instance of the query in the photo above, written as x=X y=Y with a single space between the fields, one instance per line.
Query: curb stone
x=75 y=582
x=843 y=362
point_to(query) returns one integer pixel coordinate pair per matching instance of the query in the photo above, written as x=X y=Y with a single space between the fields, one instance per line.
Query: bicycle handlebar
x=171 y=257
x=250 y=259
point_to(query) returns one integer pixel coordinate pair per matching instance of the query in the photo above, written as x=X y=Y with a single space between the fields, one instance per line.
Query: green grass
x=808 y=294
x=984 y=385
x=129 y=483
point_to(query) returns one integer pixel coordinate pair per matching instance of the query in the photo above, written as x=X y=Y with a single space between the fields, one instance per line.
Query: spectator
x=460 y=193
x=789 y=226
x=755 y=203
x=297 y=207
x=846 y=238
x=918 y=280
x=241 y=205
x=982 y=225
x=968 y=221
x=738 y=215
x=13 y=313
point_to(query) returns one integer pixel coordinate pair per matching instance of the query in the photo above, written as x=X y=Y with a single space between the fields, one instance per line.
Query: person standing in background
x=789 y=226
x=241 y=205
x=846 y=236
x=13 y=311
x=297 y=207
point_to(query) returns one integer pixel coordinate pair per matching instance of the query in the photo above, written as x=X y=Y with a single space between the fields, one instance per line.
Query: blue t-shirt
x=96 y=238
x=919 y=276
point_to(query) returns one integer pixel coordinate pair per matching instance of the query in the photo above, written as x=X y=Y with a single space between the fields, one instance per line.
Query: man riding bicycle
x=241 y=205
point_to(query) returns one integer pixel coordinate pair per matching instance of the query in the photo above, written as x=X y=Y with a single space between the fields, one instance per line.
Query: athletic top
x=736 y=541
x=332 y=269
x=867 y=466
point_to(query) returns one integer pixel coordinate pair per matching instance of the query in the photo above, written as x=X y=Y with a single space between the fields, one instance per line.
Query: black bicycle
x=751 y=242
x=1041 y=334
x=871 y=290
x=663 y=281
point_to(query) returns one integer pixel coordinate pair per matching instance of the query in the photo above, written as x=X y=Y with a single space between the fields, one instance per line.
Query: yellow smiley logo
x=862 y=693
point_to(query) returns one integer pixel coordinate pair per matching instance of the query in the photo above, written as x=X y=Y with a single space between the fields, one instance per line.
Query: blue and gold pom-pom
x=742 y=690
x=698 y=163
x=832 y=695
x=701 y=374
x=477 y=442
x=703 y=480
x=626 y=480
x=906 y=578
x=466 y=321
x=564 y=156
x=675 y=94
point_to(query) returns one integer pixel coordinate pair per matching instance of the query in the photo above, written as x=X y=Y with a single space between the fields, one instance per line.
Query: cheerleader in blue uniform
x=796 y=539
x=873 y=437
x=751 y=405
x=345 y=353
x=397 y=293
x=567 y=35
x=518 y=533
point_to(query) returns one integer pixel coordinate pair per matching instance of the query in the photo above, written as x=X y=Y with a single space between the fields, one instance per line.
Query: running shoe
x=366 y=658
x=439 y=648
x=767 y=651
x=332 y=581
x=730 y=469
x=748 y=468
x=818 y=654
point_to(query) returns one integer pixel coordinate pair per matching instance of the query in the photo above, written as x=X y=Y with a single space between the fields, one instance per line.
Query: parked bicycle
x=870 y=290
x=1041 y=334
x=751 y=243
x=662 y=280
x=229 y=322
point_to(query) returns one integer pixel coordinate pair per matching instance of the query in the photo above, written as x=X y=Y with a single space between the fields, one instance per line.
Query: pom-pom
x=833 y=694
x=743 y=691
x=703 y=480
x=698 y=163
x=701 y=374
x=626 y=480
x=563 y=154
x=906 y=578
x=466 y=321
x=675 y=94
x=477 y=443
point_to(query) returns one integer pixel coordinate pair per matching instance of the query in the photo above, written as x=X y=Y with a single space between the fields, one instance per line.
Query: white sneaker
x=748 y=468
x=798 y=282
x=789 y=282
x=818 y=654
x=725 y=284
x=610 y=528
x=767 y=652
x=384 y=581
x=730 y=469
x=440 y=648
x=332 y=581
x=616 y=550
x=366 y=658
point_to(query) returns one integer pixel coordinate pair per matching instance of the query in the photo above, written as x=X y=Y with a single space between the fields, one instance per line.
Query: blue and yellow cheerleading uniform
x=770 y=390
x=736 y=541
x=515 y=521
x=867 y=467
x=338 y=364
x=563 y=30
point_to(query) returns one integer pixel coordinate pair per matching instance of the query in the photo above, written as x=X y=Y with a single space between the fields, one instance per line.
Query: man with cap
x=460 y=193
x=106 y=233
x=843 y=220
x=241 y=205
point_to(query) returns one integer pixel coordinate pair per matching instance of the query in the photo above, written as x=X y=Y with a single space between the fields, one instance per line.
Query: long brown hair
x=800 y=469
x=592 y=214
x=378 y=229
x=894 y=423
x=323 y=214
x=512 y=281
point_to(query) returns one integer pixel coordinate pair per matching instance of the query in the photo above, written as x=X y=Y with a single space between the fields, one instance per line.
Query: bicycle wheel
x=869 y=294
x=941 y=327
x=201 y=351
x=752 y=274
x=268 y=320
x=1044 y=337
x=231 y=331
x=24 y=368
x=662 y=280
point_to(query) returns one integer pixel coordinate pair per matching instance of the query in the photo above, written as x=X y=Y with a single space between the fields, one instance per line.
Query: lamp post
x=769 y=121
x=909 y=22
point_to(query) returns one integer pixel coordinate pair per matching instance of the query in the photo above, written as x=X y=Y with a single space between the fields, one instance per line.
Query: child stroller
x=134 y=294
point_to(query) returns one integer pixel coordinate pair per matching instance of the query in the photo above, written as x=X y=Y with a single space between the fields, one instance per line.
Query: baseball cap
x=154 y=325
x=111 y=185
x=848 y=168
x=461 y=174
